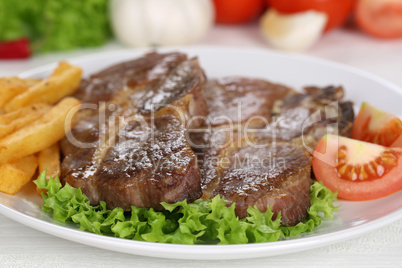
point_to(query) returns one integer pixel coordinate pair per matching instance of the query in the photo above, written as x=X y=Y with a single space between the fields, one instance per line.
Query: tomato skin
x=237 y=11
x=323 y=158
x=380 y=18
x=376 y=126
x=397 y=142
x=338 y=11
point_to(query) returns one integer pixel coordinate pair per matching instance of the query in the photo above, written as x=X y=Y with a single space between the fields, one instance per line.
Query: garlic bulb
x=141 y=23
x=295 y=32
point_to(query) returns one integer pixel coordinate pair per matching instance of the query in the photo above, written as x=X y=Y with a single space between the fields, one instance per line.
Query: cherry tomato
x=357 y=170
x=237 y=11
x=376 y=126
x=338 y=11
x=380 y=18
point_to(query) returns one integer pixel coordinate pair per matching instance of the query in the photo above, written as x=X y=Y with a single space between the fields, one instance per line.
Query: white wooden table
x=21 y=246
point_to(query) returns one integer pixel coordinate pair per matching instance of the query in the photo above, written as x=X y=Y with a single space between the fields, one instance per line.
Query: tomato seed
x=373 y=170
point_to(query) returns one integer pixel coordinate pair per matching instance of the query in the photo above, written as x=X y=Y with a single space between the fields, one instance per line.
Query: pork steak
x=270 y=165
x=239 y=100
x=131 y=150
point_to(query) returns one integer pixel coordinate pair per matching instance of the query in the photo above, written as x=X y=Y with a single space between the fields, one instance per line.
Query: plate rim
x=198 y=252
x=205 y=252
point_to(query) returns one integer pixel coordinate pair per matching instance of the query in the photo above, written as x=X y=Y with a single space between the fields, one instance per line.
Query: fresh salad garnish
x=200 y=222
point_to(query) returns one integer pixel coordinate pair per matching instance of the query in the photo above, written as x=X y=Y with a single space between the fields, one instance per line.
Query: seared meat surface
x=235 y=100
x=309 y=116
x=271 y=165
x=256 y=173
x=277 y=176
x=147 y=71
x=147 y=166
x=132 y=149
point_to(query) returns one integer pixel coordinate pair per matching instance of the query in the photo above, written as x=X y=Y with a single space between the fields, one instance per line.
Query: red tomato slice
x=380 y=18
x=357 y=170
x=376 y=126
x=397 y=142
x=338 y=11
x=237 y=11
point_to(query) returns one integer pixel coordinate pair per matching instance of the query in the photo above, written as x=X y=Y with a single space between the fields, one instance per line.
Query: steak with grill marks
x=132 y=149
x=147 y=166
x=277 y=176
x=307 y=117
x=236 y=100
x=270 y=165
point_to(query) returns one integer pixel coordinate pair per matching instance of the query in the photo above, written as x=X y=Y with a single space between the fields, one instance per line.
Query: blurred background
x=36 y=27
x=366 y=34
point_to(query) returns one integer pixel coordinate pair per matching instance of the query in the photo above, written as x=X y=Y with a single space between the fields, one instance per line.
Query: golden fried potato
x=13 y=121
x=12 y=86
x=13 y=176
x=42 y=133
x=64 y=81
x=49 y=159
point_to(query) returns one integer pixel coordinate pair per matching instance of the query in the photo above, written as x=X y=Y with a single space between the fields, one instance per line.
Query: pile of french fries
x=32 y=121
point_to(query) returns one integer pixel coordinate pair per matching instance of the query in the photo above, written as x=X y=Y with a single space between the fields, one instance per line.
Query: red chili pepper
x=17 y=49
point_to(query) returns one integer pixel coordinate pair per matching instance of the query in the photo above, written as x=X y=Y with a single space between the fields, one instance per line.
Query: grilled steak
x=235 y=100
x=133 y=148
x=277 y=176
x=138 y=154
x=270 y=165
x=146 y=71
x=256 y=173
x=309 y=116
x=148 y=166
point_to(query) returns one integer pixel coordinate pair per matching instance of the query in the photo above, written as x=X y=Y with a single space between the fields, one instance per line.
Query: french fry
x=13 y=176
x=42 y=133
x=15 y=120
x=49 y=160
x=12 y=86
x=64 y=81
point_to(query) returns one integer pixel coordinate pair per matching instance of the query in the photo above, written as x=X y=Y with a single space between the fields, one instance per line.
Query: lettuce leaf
x=11 y=26
x=55 y=25
x=200 y=222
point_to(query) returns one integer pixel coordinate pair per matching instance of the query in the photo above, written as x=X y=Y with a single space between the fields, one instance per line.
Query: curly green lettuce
x=200 y=222
x=55 y=25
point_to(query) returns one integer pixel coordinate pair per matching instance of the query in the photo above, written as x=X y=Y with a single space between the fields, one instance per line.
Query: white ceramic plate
x=352 y=219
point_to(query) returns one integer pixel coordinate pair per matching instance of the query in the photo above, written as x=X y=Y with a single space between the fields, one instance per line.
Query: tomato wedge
x=357 y=170
x=397 y=142
x=376 y=126
x=380 y=18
